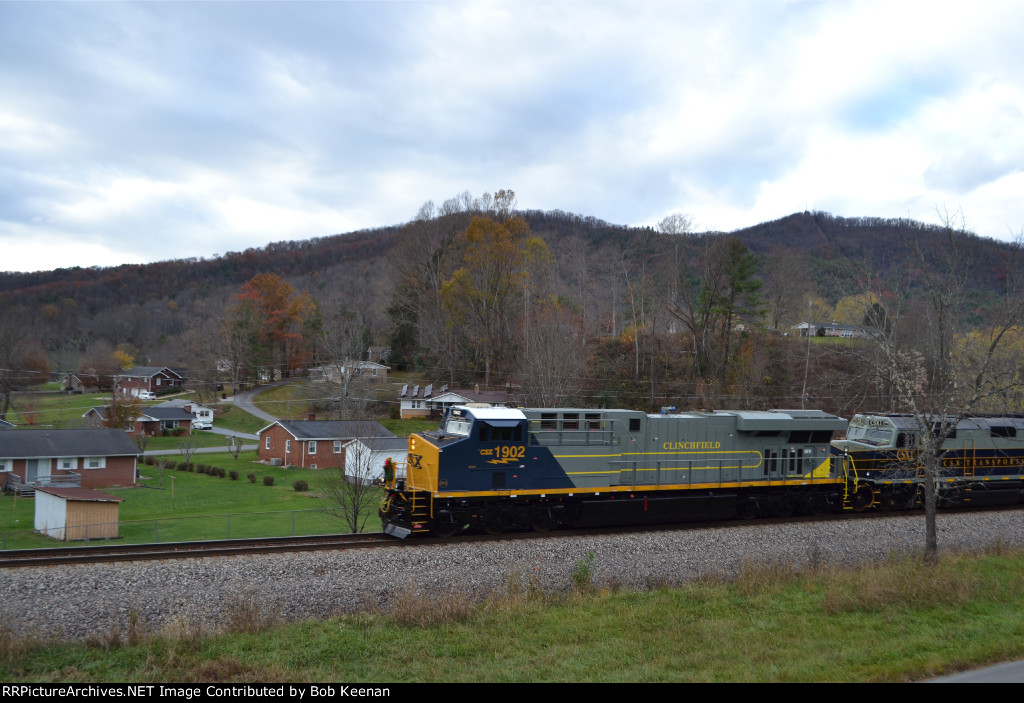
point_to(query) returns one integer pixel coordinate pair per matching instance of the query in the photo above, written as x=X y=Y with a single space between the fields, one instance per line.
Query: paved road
x=197 y=450
x=1008 y=672
x=244 y=401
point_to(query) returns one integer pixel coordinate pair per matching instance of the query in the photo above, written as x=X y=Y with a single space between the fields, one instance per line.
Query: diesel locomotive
x=499 y=469
x=981 y=461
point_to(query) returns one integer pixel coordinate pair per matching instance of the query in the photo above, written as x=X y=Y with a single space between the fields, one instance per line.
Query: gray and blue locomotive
x=499 y=469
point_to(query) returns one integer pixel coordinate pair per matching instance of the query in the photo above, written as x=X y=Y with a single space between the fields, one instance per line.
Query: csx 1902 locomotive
x=499 y=469
x=982 y=461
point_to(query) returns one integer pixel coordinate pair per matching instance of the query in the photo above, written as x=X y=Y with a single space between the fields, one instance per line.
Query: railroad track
x=187 y=550
x=218 y=548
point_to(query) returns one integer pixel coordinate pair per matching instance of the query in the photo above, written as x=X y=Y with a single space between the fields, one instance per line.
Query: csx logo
x=414 y=461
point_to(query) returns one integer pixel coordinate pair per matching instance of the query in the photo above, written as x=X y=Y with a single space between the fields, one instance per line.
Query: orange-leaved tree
x=277 y=323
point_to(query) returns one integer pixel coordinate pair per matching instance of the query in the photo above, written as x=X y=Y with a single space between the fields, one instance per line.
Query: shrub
x=233 y=475
x=251 y=477
x=268 y=480
x=583 y=573
x=220 y=472
x=300 y=486
x=202 y=468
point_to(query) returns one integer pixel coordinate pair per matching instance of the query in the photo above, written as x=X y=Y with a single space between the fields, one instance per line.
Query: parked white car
x=202 y=425
x=147 y=395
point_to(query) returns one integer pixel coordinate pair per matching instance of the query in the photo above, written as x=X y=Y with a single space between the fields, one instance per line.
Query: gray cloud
x=225 y=125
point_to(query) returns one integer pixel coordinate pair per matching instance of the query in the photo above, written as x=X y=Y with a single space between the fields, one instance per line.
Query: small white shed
x=76 y=513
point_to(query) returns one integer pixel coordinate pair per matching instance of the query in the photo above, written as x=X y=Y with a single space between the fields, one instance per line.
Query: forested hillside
x=559 y=308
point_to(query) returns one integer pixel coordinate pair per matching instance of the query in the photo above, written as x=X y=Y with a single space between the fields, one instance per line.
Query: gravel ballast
x=79 y=601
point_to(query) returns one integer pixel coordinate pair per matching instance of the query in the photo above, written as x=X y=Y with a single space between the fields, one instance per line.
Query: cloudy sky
x=144 y=131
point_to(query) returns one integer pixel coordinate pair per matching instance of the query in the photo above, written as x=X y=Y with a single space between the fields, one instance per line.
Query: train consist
x=504 y=469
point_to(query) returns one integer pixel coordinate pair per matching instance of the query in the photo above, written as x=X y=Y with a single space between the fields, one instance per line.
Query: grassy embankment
x=900 y=621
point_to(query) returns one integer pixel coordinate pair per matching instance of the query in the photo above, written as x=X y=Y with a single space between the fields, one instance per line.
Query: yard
x=173 y=505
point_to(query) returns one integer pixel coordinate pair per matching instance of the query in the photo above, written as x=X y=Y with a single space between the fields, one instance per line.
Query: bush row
x=216 y=471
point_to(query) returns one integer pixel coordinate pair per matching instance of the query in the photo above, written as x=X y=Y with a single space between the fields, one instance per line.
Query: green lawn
x=47 y=409
x=184 y=506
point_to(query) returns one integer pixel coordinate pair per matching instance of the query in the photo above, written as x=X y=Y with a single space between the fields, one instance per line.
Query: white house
x=364 y=457
x=428 y=403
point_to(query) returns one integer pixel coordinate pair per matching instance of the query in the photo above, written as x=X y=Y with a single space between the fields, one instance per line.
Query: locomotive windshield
x=878 y=436
x=457 y=426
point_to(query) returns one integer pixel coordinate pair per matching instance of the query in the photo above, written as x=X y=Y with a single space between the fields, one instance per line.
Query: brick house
x=86 y=458
x=153 y=421
x=155 y=379
x=313 y=444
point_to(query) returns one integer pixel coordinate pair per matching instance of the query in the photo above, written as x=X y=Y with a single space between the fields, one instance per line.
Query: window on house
x=95 y=462
x=337 y=446
x=287 y=445
x=312 y=447
x=6 y=465
x=67 y=464
x=158 y=381
x=266 y=443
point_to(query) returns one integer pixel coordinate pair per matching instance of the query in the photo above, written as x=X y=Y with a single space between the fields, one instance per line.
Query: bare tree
x=234 y=446
x=934 y=374
x=350 y=490
x=187 y=447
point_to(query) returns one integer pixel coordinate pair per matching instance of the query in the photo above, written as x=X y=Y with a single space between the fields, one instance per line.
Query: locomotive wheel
x=496 y=521
x=543 y=522
x=746 y=509
x=444 y=528
x=863 y=499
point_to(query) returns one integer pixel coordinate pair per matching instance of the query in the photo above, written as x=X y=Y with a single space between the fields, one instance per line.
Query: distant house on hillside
x=155 y=379
x=365 y=371
x=81 y=382
x=428 y=402
x=151 y=421
x=832 y=329
x=313 y=444
x=202 y=414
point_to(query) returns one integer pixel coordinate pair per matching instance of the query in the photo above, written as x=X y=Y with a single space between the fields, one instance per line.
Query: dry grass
x=249 y=613
x=412 y=607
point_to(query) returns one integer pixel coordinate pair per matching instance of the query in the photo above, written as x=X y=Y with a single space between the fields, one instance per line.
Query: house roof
x=331 y=429
x=29 y=444
x=151 y=414
x=454 y=395
x=383 y=444
x=181 y=403
x=149 y=371
x=79 y=494
x=364 y=365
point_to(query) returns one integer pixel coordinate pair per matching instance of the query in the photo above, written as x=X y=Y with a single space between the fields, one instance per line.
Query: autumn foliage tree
x=485 y=296
x=273 y=324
